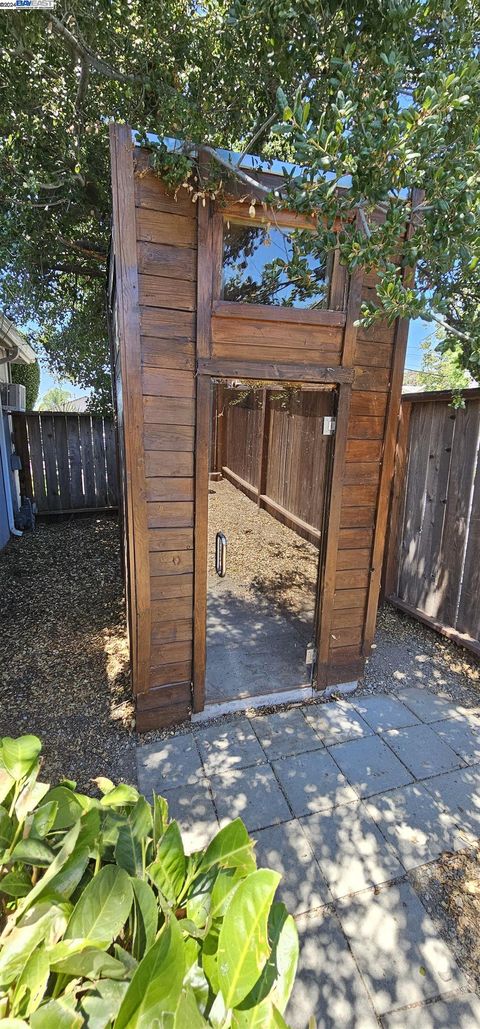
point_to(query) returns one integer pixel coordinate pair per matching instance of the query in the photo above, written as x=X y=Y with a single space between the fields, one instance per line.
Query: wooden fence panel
x=69 y=461
x=273 y=447
x=432 y=558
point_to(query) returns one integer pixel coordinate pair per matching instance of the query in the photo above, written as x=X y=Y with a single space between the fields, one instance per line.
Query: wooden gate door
x=246 y=333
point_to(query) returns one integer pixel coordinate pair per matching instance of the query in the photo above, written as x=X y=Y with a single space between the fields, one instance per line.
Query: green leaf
x=6 y=829
x=105 y=785
x=103 y=907
x=243 y=946
x=120 y=796
x=6 y=784
x=33 y=852
x=58 y=1014
x=31 y=985
x=67 y=879
x=145 y=918
x=160 y=818
x=13 y=1023
x=29 y=798
x=132 y=834
x=90 y=963
x=22 y=940
x=43 y=819
x=230 y=848
x=69 y=809
x=276 y=981
x=20 y=755
x=99 y=1006
x=187 y=1015
x=157 y=982
x=168 y=871
x=16 y=884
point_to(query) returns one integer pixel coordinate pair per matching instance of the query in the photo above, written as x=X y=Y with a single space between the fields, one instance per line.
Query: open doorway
x=270 y=450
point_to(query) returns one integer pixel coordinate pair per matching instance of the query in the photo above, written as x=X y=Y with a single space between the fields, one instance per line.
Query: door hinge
x=329 y=425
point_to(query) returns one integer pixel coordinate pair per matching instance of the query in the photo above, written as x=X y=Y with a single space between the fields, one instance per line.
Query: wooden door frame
x=209 y=369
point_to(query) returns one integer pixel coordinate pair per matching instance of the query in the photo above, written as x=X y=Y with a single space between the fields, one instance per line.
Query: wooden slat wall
x=372 y=357
x=434 y=547
x=68 y=461
x=166 y=252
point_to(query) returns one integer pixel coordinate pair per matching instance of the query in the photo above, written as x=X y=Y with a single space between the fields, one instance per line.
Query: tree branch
x=97 y=64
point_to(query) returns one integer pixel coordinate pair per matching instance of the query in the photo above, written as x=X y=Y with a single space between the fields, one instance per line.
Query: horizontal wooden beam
x=269 y=313
x=461 y=638
x=441 y=395
x=269 y=372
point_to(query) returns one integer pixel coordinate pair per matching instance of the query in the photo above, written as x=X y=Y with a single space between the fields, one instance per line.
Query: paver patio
x=344 y=799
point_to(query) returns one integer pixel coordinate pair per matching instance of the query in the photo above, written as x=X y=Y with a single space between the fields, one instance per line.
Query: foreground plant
x=106 y=922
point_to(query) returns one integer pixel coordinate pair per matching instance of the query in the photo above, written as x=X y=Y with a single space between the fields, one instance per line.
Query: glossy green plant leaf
x=130 y=847
x=43 y=819
x=90 y=963
x=16 y=883
x=31 y=985
x=230 y=848
x=67 y=879
x=243 y=946
x=29 y=798
x=157 y=982
x=6 y=783
x=103 y=907
x=20 y=755
x=15 y=949
x=187 y=1015
x=6 y=829
x=160 y=818
x=120 y=796
x=69 y=808
x=145 y=918
x=33 y=852
x=168 y=870
x=100 y=1005
x=276 y=980
x=58 y=1014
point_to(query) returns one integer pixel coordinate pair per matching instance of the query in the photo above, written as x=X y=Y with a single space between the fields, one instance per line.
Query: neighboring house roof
x=12 y=339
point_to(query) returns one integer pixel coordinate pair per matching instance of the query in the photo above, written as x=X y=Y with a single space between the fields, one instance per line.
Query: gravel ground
x=264 y=557
x=450 y=891
x=63 y=649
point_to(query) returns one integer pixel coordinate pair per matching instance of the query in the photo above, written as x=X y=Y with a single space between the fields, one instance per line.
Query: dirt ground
x=63 y=649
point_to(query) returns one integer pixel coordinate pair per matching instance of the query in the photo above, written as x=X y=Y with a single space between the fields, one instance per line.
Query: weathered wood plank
x=165 y=411
x=169 y=515
x=171 y=562
x=167 y=382
x=171 y=489
x=156 y=291
x=165 y=353
x=163 y=227
x=176 y=463
x=169 y=261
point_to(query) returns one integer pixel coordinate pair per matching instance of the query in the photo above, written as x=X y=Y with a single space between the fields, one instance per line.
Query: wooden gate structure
x=432 y=559
x=172 y=334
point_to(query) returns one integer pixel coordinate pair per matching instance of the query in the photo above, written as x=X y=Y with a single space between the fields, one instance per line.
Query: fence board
x=69 y=461
x=433 y=558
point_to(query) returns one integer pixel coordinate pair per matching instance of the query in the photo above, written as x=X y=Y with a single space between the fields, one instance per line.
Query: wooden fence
x=432 y=566
x=69 y=461
x=274 y=449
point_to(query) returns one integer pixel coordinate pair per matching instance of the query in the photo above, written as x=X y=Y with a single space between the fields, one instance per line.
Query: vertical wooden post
x=390 y=438
x=202 y=446
x=263 y=447
x=327 y=586
x=392 y=543
x=128 y=326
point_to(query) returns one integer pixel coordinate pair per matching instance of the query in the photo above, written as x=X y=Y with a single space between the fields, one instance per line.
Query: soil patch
x=64 y=671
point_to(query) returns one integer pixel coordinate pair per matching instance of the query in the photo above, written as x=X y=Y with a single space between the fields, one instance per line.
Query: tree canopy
x=384 y=92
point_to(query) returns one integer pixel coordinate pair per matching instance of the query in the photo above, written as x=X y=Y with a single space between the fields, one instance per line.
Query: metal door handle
x=221 y=554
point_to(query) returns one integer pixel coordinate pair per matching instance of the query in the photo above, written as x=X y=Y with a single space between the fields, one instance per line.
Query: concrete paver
x=312 y=782
x=382 y=712
x=397 y=948
x=231 y=745
x=251 y=794
x=422 y=750
x=287 y=849
x=285 y=733
x=337 y=722
x=350 y=849
x=428 y=706
x=414 y=823
x=370 y=766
